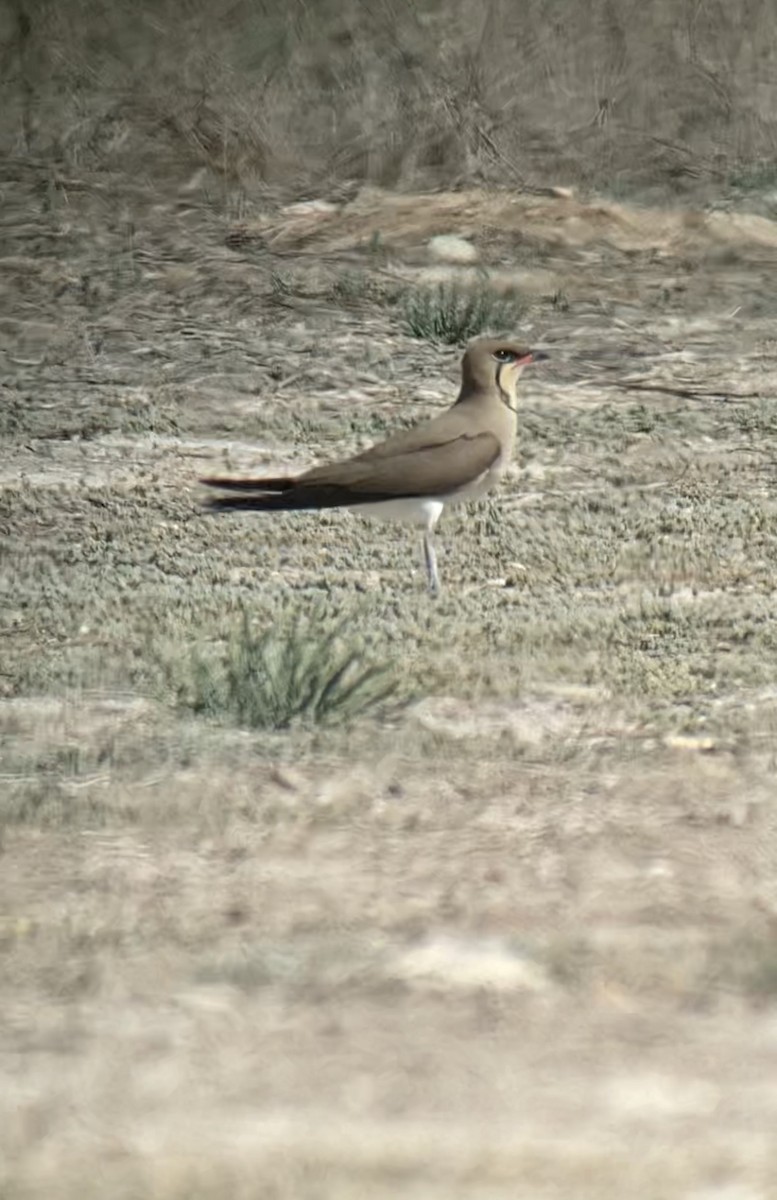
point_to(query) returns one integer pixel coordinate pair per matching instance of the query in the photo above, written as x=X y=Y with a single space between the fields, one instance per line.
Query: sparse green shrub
x=281 y=285
x=358 y=287
x=350 y=288
x=451 y=314
x=296 y=671
x=754 y=176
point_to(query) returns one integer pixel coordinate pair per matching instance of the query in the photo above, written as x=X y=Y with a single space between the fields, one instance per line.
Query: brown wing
x=426 y=470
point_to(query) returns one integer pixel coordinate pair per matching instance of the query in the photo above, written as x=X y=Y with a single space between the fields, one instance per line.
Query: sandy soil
x=516 y=937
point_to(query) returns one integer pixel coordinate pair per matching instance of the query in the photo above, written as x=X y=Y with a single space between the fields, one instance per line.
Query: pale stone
x=447 y=247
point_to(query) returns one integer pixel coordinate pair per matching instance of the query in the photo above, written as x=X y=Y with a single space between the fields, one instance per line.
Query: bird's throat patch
x=503 y=395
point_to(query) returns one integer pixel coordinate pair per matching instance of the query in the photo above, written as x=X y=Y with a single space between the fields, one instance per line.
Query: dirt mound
x=376 y=219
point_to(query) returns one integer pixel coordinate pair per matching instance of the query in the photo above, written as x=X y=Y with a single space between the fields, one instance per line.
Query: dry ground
x=515 y=939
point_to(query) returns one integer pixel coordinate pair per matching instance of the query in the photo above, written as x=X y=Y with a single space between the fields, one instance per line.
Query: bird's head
x=496 y=363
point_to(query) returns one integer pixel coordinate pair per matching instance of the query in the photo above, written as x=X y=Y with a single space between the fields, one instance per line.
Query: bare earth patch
x=516 y=937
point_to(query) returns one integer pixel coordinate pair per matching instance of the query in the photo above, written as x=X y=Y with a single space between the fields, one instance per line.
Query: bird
x=410 y=477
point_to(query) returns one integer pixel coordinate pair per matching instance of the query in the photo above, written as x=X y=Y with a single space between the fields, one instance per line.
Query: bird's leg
x=430 y=558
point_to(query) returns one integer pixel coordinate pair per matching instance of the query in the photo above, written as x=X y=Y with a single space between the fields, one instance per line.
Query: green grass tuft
x=452 y=314
x=296 y=672
x=754 y=176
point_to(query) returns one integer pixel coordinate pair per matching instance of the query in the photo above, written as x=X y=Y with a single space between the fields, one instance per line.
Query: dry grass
x=629 y=97
x=518 y=938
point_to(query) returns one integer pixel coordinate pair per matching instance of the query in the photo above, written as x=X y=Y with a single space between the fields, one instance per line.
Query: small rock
x=683 y=741
x=303 y=208
x=194 y=183
x=456 y=962
x=447 y=247
x=287 y=778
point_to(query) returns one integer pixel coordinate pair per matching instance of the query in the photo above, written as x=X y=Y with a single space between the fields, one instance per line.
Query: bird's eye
x=505 y=356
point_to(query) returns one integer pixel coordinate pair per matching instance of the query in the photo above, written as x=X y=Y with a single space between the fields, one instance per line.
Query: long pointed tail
x=228 y=483
x=268 y=495
x=253 y=494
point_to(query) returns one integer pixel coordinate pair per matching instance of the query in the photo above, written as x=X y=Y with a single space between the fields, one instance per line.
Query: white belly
x=426 y=510
x=412 y=510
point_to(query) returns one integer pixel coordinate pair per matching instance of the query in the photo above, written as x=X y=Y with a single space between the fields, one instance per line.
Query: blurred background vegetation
x=629 y=97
